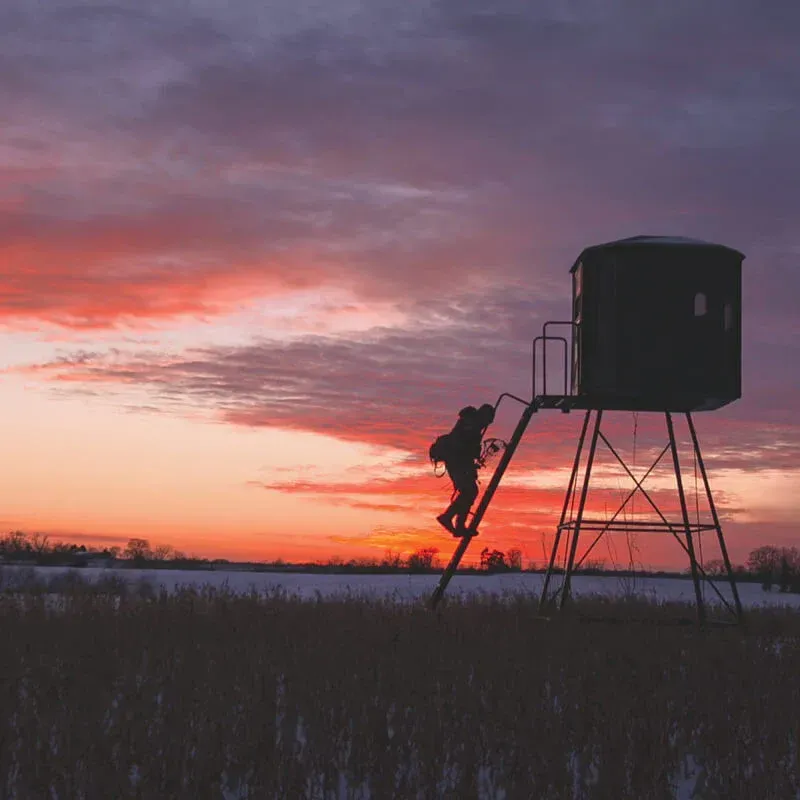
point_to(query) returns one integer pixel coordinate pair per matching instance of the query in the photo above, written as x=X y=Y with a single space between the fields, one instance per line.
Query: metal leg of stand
x=543 y=600
x=482 y=506
x=714 y=516
x=581 y=506
x=685 y=513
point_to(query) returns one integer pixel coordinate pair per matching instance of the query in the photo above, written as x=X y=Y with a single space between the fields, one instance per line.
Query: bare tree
x=493 y=560
x=16 y=542
x=163 y=552
x=765 y=562
x=392 y=560
x=423 y=559
x=514 y=559
x=40 y=543
x=138 y=550
x=715 y=567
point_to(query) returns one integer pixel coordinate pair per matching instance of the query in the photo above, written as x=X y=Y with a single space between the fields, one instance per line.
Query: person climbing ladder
x=460 y=451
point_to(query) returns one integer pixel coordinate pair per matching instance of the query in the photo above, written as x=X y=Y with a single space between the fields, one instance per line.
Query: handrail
x=513 y=397
x=570 y=322
x=544 y=338
x=572 y=325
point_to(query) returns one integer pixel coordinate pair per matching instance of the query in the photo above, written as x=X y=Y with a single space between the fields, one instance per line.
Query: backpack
x=441 y=449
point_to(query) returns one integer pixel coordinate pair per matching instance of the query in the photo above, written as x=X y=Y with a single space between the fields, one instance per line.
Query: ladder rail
x=486 y=499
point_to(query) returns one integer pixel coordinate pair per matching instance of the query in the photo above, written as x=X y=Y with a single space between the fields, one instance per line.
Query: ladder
x=539 y=400
x=486 y=499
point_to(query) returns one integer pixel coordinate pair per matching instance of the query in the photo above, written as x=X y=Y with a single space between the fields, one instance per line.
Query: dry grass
x=209 y=695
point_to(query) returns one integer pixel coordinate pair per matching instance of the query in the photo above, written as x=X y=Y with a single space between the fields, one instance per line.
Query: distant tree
x=785 y=574
x=493 y=560
x=40 y=543
x=788 y=569
x=138 y=550
x=764 y=562
x=514 y=559
x=15 y=543
x=163 y=552
x=763 y=559
x=392 y=560
x=715 y=567
x=424 y=559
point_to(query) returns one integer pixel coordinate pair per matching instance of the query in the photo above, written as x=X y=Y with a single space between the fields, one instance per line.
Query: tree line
x=22 y=548
x=18 y=547
x=774 y=567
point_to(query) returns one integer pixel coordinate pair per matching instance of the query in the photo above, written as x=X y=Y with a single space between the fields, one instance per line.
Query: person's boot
x=446 y=522
x=461 y=527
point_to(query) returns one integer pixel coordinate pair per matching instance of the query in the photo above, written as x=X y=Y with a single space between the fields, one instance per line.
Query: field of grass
x=207 y=694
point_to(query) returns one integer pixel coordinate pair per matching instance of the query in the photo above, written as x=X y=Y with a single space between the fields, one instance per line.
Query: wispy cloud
x=398 y=388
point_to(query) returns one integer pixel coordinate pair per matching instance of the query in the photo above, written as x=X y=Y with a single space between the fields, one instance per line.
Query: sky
x=255 y=256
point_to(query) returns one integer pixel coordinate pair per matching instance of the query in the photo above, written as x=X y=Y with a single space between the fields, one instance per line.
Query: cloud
x=165 y=160
x=388 y=387
x=519 y=514
x=399 y=387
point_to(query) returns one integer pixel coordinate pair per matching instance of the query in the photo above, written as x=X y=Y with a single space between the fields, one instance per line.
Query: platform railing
x=541 y=390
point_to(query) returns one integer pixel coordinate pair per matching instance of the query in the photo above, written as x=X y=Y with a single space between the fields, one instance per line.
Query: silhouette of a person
x=464 y=450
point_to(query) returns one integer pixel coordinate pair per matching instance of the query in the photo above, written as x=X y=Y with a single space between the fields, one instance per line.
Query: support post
x=714 y=516
x=567 y=502
x=581 y=507
x=477 y=516
x=685 y=514
x=583 y=521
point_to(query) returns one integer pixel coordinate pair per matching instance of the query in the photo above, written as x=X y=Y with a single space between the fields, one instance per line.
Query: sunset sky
x=255 y=256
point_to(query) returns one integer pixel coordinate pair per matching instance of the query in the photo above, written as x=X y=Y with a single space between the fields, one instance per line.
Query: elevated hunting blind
x=657 y=325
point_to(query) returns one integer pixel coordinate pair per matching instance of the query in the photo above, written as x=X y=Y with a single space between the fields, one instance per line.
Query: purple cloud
x=394 y=151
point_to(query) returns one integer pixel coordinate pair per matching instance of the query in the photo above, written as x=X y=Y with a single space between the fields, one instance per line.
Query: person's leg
x=445 y=519
x=467 y=492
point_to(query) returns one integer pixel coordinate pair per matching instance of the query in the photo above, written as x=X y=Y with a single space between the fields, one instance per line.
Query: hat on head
x=486 y=412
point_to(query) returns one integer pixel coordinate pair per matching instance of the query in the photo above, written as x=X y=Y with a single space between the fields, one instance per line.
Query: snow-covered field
x=413 y=587
x=203 y=695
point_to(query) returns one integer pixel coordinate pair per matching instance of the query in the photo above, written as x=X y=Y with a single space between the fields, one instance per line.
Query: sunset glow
x=256 y=257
